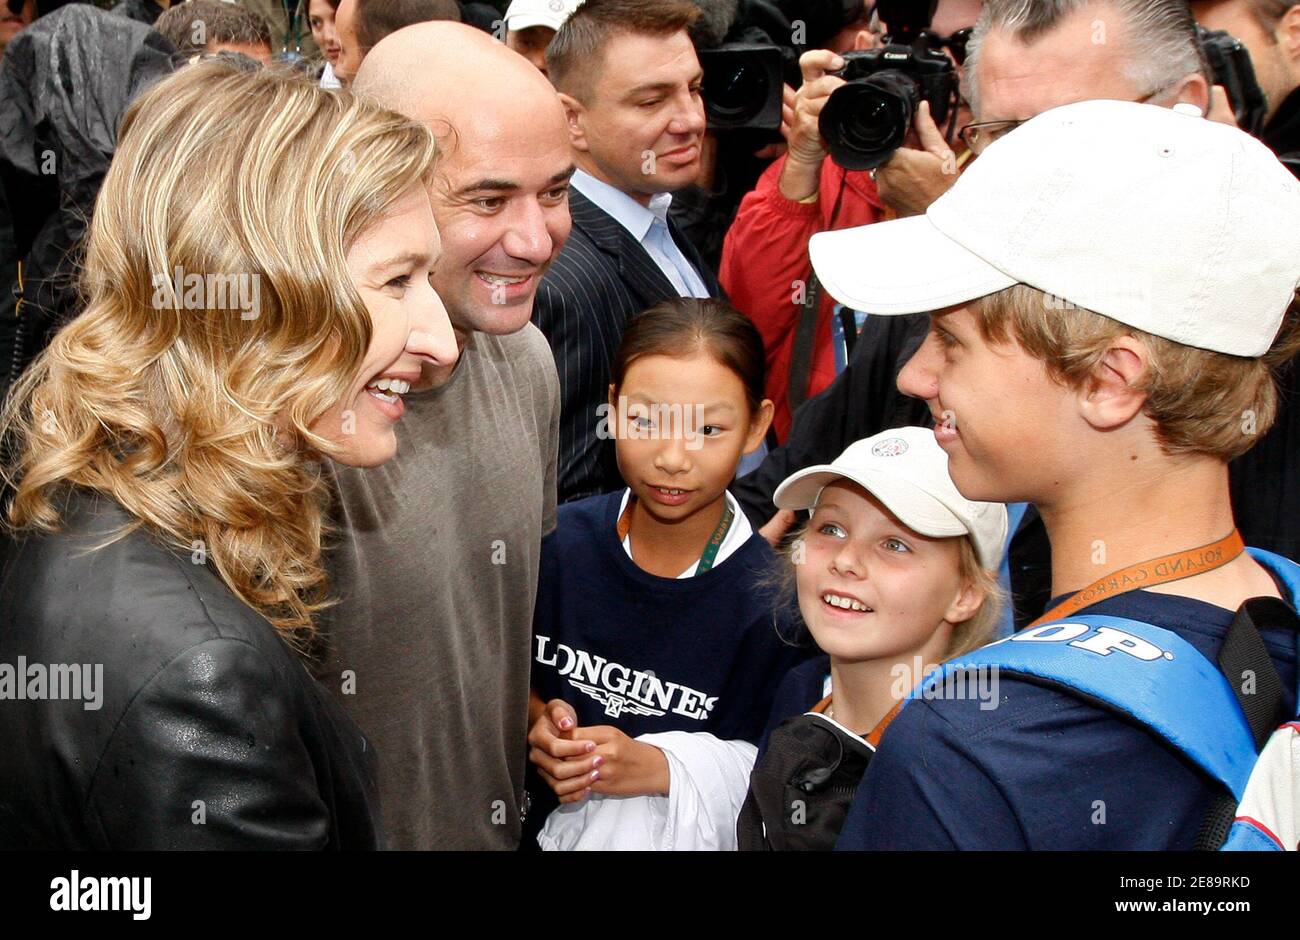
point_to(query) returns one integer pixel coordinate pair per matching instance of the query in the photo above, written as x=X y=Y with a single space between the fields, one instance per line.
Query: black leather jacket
x=208 y=732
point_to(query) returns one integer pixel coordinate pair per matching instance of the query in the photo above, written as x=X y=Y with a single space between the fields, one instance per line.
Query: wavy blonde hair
x=196 y=420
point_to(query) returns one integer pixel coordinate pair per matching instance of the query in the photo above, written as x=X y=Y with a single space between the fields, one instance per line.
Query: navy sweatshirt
x=646 y=654
x=1045 y=770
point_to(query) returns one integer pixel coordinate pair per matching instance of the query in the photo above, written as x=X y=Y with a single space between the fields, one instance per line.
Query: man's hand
x=565 y=764
x=627 y=767
x=912 y=179
x=807 y=150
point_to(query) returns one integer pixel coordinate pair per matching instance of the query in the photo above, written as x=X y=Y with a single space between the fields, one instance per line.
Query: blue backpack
x=1129 y=667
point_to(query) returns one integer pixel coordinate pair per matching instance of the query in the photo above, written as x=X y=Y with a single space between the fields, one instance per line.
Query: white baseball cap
x=907 y=470
x=1179 y=226
x=524 y=14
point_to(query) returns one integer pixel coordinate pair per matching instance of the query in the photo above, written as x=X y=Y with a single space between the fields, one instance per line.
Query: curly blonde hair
x=192 y=416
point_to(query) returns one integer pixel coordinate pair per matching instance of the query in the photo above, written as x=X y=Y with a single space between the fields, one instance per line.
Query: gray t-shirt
x=436 y=568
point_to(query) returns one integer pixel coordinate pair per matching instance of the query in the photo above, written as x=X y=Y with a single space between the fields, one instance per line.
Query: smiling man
x=437 y=568
x=630 y=84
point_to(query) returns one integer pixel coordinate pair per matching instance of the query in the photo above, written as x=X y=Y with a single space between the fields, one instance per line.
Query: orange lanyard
x=1160 y=570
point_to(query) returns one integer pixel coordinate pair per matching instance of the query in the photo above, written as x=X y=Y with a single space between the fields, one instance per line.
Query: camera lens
x=737 y=94
x=742 y=86
x=865 y=121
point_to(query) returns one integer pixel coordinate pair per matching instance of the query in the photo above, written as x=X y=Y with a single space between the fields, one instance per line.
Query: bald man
x=437 y=568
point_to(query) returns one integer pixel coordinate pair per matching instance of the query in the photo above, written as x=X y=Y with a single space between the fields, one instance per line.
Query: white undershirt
x=737 y=535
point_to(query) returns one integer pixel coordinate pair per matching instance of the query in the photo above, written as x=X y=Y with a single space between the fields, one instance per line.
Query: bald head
x=501 y=194
x=426 y=71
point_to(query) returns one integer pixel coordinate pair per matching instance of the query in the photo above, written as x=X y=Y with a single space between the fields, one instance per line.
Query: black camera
x=1231 y=66
x=865 y=121
x=750 y=49
x=742 y=86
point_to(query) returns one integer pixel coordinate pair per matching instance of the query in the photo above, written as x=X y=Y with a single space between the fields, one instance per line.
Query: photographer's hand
x=772 y=151
x=803 y=161
x=912 y=179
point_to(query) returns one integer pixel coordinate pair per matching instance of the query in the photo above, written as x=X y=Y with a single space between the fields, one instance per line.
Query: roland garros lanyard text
x=1160 y=570
x=710 y=553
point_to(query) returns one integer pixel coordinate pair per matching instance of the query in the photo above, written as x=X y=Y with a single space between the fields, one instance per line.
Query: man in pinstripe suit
x=630 y=84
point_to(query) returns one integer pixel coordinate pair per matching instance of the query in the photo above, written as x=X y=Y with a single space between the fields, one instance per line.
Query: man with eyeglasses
x=1022 y=59
x=1027 y=58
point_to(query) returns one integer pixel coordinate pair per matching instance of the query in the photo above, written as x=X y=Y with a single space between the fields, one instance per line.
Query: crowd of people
x=430 y=426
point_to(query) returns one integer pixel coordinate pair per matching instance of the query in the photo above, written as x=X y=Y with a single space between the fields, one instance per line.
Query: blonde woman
x=242 y=320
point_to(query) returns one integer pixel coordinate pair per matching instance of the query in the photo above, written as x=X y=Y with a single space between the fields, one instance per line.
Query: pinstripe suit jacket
x=601 y=279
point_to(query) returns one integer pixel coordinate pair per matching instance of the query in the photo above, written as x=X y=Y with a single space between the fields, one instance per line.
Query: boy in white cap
x=1117 y=282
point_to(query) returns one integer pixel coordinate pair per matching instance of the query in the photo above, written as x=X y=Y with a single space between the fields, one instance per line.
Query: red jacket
x=766 y=252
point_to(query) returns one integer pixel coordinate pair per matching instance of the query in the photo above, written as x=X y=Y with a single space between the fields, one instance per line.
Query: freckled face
x=870 y=587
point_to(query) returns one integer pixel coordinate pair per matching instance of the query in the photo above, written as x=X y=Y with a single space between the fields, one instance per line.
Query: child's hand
x=564 y=763
x=777 y=527
x=624 y=766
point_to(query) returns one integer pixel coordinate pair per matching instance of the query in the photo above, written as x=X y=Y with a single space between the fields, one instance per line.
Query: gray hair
x=1162 y=33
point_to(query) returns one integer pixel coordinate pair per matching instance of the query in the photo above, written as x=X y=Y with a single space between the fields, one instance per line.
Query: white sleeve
x=708 y=780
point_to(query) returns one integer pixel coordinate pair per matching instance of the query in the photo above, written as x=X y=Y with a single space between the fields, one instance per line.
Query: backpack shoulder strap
x=1133 y=668
x=1288 y=573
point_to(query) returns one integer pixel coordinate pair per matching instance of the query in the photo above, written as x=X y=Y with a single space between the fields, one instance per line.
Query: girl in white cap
x=895 y=573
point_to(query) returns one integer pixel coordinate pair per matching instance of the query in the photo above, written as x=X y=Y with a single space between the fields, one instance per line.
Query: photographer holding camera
x=1270 y=31
x=765 y=256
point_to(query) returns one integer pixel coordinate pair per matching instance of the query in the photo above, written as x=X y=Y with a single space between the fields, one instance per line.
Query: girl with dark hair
x=657 y=647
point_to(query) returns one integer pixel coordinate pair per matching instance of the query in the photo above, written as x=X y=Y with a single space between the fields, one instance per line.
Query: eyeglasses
x=979 y=135
x=955 y=44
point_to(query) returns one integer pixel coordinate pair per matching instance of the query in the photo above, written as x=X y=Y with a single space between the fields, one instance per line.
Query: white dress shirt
x=649 y=226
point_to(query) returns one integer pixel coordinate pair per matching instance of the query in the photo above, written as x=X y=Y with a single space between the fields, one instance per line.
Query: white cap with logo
x=524 y=14
x=1179 y=226
x=907 y=470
